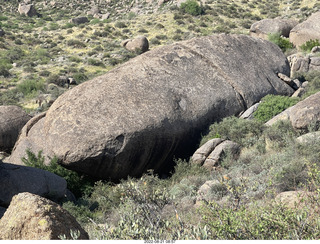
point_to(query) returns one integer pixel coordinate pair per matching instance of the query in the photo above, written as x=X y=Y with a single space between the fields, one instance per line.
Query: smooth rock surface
x=154 y=107
x=15 y=179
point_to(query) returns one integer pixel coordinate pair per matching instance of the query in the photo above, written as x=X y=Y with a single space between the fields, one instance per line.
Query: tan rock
x=307 y=30
x=30 y=217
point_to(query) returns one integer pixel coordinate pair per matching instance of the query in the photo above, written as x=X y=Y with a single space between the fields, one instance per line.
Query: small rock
x=315 y=49
x=248 y=114
x=310 y=137
x=139 y=44
x=216 y=155
x=203 y=152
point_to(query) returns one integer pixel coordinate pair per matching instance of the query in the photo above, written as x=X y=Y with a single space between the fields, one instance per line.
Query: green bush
x=76 y=43
x=271 y=105
x=191 y=7
x=282 y=42
x=30 y=87
x=307 y=47
x=95 y=62
x=4 y=68
x=78 y=184
x=244 y=132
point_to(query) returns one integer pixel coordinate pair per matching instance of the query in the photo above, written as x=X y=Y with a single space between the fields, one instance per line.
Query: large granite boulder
x=15 y=179
x=12 y=119
x=307 y=30
x=265 y=27
x=31 y=217
x=143 y=113
x=27 y=9
x=303 y=115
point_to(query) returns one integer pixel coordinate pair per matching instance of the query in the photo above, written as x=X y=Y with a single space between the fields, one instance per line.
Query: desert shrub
x=191 y=7
x=280 y=135
x=269 y=222
x=75 y=59
x=291 y=176
x=95 y=62
x=30 y=87
x=307 y=47
x=78 y=184
x=76 y=43
x=14 y=54
x=141 y=214
x=244 y=132
x=80 y=77
x=282 y=42
x=155 y=41
x=120 y=24
x=271 y=105
x=5 y=66
x=184 y=169
x=9 y=97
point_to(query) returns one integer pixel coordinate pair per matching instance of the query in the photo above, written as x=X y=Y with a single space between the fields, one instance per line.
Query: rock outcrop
x=15 y=179
x=211 y=153
x=31 y=217
x=302 y=115
x=302 y=64
x=307 y=30
x=265 y=27
x=139 y=44
x=141 y=114
x=27 y=10
x=12 y=119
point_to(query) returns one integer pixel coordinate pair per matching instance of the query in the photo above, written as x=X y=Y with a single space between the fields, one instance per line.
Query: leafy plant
x=271 y=105
x=282 y=42
x=244 y=132
x=307 y=47
x=191 y=7
x=78 y=184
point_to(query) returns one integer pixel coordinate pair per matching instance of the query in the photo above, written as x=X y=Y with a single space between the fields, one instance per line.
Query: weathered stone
x=287 y=80
x=299 y=92
x=139 y=44
x=306 y=31
x=311 y=137
x=302 y=115
x=294 y=199
x=80 y=20
x=15 y=179
x=27 y=9
x=203 y=152
x=205 y=190
x=219 y=151
x=248 y=114
x=265 y=27
x=315 y=49
x=141 y=114
x=31 y=217
x=12 y=119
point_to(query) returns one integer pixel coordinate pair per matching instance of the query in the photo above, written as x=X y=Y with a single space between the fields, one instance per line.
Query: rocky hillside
x=211 y=106
x=42 y=54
